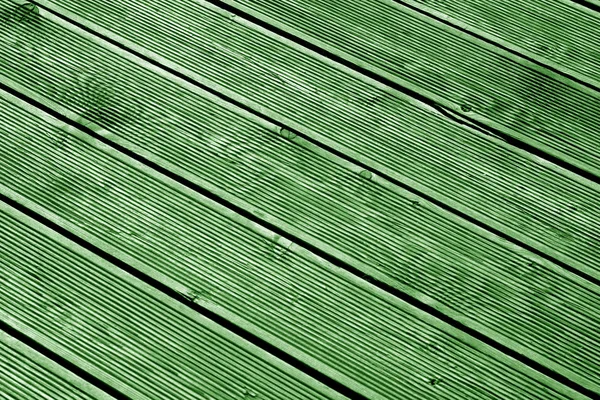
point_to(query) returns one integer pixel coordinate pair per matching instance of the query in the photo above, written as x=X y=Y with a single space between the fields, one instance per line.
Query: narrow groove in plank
x=553 y=33
x=245 y=284
x=440 y=311
x=593 y=5
x=505 y=115
x=467 y=157
x=134 y=339
x=26 y=374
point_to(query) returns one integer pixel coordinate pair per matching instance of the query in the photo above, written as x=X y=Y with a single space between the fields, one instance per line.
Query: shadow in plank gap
x=591 y=4
x=27 y=374
x=226 y=264
x=330 y=204
x=126 y=334
x=428 y=58
x=482 y=178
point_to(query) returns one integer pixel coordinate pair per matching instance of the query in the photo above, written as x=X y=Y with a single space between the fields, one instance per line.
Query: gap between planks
x=307 y=138
x=53 y=367
x=423 y=300
x=104 y=133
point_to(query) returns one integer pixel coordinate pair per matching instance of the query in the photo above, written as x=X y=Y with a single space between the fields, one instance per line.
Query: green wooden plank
x=471 y=77
x=532 y=105
x=370 y=340
x=592 y=5
x=420 y=250
x=560 y=34
x=26 y=374
x=483 y=178
x=125 y=333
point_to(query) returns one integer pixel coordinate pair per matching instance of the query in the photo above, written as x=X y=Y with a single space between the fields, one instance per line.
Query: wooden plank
x=26 y=374
x=592 y=5
x=559 y=34
x=371 y=341
x=518 y=98
x=505 y=189
x=125 y=333
x=479 y=81
x=422 y=251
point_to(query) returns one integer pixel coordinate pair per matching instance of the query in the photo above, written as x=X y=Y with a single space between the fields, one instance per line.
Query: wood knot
x=25 y=11
x=286 y=133
x=365 y=174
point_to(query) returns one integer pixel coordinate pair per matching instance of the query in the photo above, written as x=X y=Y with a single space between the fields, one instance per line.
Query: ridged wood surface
x=555 y=32
x=400 y=239
x=230 y=267
x=440 y=62
x=26 y=375
x=134 y=339
x=219 y=261
x=516 y=192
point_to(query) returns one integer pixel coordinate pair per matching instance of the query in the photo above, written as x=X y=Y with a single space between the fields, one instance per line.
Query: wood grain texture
x=424 y=251
x=525 y=102
x=126 y=334
x=278 y=178
x=269 y=286
x=559 y=33
x=26 y=374
x=282 y=293
x=509 y=190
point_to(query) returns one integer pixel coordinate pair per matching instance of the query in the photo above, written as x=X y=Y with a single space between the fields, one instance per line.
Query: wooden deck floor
x=299 y=199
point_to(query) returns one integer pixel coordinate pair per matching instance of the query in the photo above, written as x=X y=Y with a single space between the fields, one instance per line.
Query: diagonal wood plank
x=559 y=34
x=26 y=374
x=593 y=5
x=507 y=190
x=473 y=78
x=371 y=341
x=517 y=98
x=445 y=268
x=125 y=333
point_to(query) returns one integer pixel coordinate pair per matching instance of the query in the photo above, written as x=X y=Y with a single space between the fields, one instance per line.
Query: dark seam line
x=448 y=114
x=340 y=263
x=350 y=268
x=414 y=94
x=173 y=294
x=482 y=127
x=492 y=42
x=66 y=364
x=587 y=4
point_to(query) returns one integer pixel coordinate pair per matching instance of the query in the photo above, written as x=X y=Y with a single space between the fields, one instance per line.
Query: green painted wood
x=368 y=339
x=592 y=5
x=523 y=100
x=125 y=333
x=419 y=249
x=560 y=34
x=26 y=374
x=506 y=189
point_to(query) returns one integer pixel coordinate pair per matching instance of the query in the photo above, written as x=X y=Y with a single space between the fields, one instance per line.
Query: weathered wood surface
x=26 y=374
x=525 y=302
x=476 y=80
x=371 y=341
x=125 y=333
x=559 y=34
x=509 y=190
x=380 y=230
